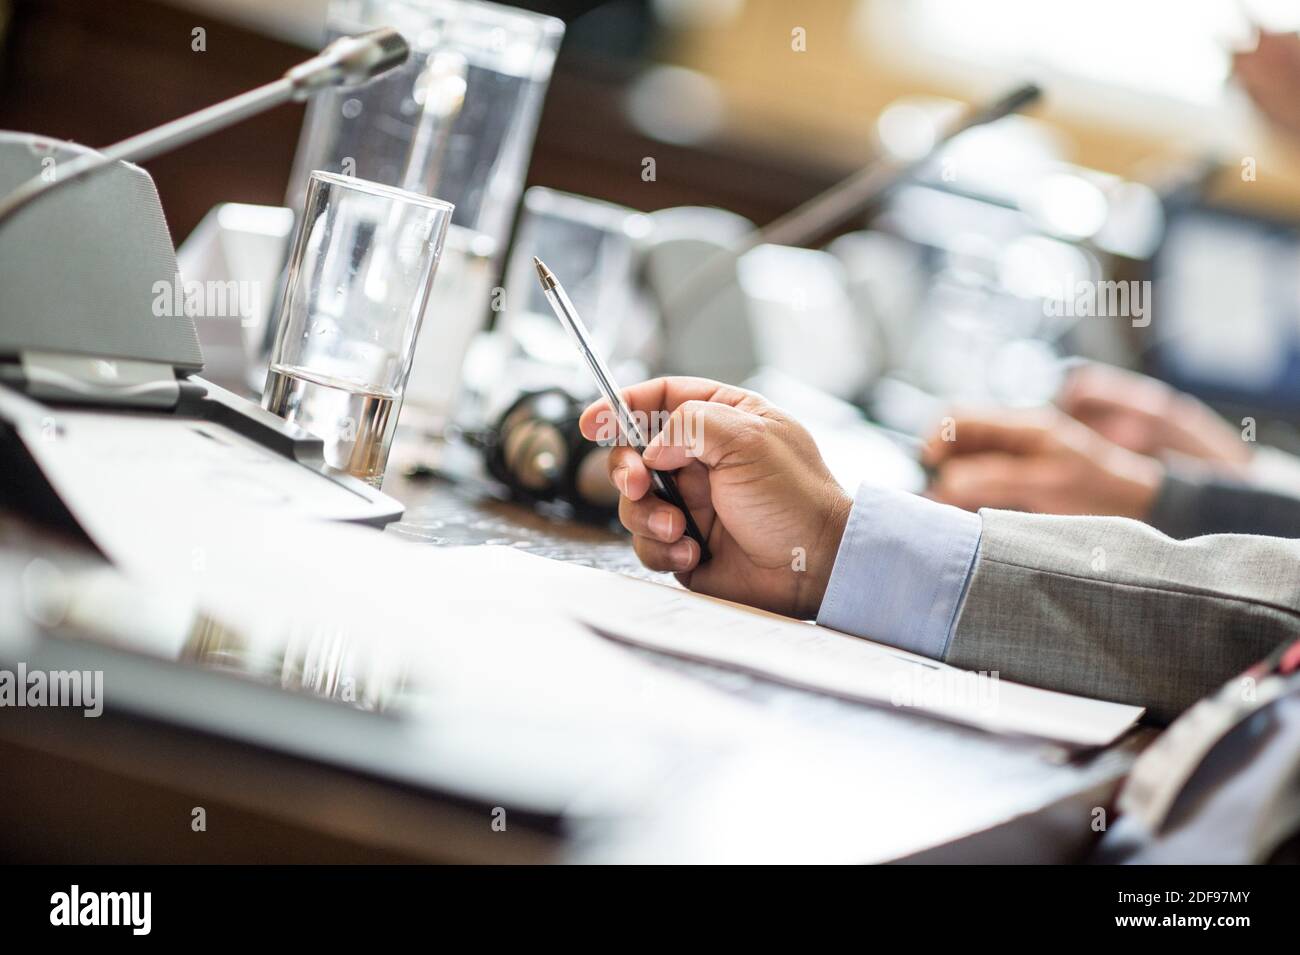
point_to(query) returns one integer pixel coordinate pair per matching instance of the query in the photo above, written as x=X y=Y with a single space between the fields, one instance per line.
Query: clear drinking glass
x=359 y=277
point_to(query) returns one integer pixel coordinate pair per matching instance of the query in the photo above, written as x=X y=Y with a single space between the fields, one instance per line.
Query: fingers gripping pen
x=665 y=487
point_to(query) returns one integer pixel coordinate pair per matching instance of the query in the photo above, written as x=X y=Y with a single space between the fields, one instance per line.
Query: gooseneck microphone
x=348 y=61
x=840 y=202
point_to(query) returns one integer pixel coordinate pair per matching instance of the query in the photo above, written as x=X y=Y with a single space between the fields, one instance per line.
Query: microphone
x=348 y=61
x=860 y=190
x=838 y=203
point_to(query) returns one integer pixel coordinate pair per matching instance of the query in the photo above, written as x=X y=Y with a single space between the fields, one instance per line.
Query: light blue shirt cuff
x=901 y=571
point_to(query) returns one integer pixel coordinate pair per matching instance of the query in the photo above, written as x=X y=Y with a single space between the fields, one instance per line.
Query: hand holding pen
x=754 y=481
x=664 y=486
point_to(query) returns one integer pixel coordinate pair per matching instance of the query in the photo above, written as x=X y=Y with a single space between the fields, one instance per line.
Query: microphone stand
x=347 y=61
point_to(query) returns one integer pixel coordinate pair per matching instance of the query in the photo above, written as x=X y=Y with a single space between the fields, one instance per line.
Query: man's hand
x=1147 y=416
x=1039 y=460
x=754 y=480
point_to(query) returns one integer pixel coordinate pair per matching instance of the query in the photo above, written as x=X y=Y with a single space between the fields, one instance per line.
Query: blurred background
x=671 y=129
x=1128 y=82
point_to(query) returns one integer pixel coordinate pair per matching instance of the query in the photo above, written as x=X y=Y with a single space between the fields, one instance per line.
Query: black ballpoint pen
x=665 y=488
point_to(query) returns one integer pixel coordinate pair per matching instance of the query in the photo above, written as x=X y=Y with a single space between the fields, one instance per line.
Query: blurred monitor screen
x=1226 y=309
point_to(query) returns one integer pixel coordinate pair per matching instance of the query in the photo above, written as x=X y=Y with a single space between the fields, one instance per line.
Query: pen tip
x=544 y=274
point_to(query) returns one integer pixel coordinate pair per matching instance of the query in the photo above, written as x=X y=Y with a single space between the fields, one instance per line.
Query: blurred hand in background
x=1148 y=417
x=1039 y=460
x=1270 y=74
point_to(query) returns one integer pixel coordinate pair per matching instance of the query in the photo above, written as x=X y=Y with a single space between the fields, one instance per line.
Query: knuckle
x=749 y=433
x=693 y=410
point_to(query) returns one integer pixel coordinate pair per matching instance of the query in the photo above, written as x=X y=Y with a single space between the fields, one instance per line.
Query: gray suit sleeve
x=1111 y=608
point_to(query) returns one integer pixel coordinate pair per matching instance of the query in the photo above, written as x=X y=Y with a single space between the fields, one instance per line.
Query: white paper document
x=671 y=620
x=118 y=471
x=156 y=535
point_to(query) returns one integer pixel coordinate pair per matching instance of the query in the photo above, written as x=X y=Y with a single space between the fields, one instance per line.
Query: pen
x=665 y=488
